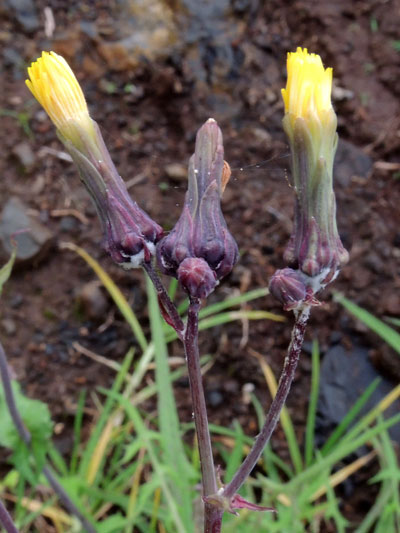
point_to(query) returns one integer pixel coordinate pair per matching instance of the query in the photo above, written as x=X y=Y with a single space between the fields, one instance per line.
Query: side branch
x=278 y=402
x=167 y=307
x=6 y=520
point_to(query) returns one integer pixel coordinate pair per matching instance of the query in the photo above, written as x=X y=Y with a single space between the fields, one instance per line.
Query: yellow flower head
x=56 y=88
x=309 y=85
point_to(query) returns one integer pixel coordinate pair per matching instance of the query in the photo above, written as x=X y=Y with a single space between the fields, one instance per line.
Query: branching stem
x=6 y=520
x=278 y=402
x=168 y=309
x=189 y=336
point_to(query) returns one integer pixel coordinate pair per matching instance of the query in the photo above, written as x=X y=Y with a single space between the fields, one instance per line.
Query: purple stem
x=285 y=382
x=212 y=515
x=9 y=397
x=26 y=438
x=168 y=309
x=6 y=520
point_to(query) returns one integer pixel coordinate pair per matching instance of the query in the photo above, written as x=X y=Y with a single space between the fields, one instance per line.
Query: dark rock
x=49 y=349
x=25 y=13
x=350 y=161
x=33 y=238
x=241 y=6
x=12 y=58
x=89 y=29
x=25 y=155
x=335 y=337
x=344 y=377
x=230 y=386
x=307 y=347
x=16 y=300
x=69 y=224
x=8 y=325
x=214 y=398
x=145 y=32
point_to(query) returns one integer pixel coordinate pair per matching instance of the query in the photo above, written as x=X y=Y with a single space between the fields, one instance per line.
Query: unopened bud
x=196 y=277
x=130 y=234
x=315 y=247
x=287 y=285
x=201 y=230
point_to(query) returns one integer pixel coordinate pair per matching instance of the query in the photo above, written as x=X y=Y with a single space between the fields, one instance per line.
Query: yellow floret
x=56 y=88
x=309 y=85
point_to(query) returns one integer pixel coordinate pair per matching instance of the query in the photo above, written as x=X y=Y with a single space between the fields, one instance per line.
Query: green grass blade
x=269 y=464
x=173 y=286
x=293 y=445
x=312 y=407
x=77 y=431
x=233 y=301
x=373 y=514
x=5 y=270
x=393 y=320
x=58 y=461
x=109 y=403
x=285 y=419
x=333 y=511
x=218 y=430
x=115 y=293
x=349 y=418
x=389 y=475
x=374 y=413
x=140 y=370
x=168 y=415
x=339 y=452
x=235 y=456
x=231 y=316
x=149 y=391
x=167 y=412
x=387 y=333
x=159 y=468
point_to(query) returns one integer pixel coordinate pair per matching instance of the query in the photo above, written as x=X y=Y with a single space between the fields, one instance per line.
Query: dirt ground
x=152 y=74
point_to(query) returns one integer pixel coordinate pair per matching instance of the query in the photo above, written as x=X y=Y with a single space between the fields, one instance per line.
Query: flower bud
x=310 y=124
x=201 y=230
x=130 y=234
x=196 y=277
x=288 y=287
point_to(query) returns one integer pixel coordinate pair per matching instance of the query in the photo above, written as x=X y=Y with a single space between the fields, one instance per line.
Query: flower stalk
x=315 y=248
x=167 y=307
x=6 y=520
x=209 y=482
x=199 y=252
x=271 y=420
